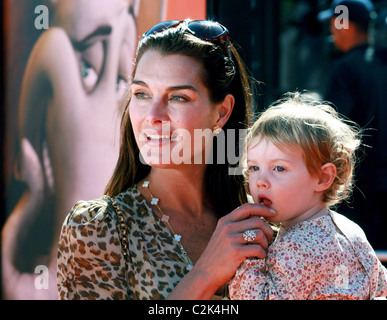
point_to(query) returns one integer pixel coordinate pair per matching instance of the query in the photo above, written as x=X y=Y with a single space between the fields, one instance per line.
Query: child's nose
x=263 y=183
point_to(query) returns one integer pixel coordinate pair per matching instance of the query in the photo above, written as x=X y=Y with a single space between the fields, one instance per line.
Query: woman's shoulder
x=132 y=207
x=88 y=221
x=98 y=222
x=110 y=220
x=86 y=211
x=91 y=252
x=104 y=209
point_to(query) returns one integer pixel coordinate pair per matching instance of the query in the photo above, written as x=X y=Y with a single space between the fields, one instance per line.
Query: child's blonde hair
x=322 y=136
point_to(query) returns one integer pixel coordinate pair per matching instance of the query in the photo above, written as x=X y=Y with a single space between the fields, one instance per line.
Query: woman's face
x=170 y=109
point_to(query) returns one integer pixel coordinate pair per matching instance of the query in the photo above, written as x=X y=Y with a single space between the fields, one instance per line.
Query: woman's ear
x=326 y=176
x=224 y=110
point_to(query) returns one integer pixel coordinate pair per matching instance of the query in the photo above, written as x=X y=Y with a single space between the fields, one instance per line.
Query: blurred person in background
x=357 y=87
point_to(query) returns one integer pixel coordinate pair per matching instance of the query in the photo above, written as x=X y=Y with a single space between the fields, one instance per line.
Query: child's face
x=281 y=180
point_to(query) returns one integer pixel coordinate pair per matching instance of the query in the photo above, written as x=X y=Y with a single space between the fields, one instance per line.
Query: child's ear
x=326 y=176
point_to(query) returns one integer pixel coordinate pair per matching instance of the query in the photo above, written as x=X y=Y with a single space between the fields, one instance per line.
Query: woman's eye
x=279 y=169
x=178 y=99
x=140 y=95
x=254 y=168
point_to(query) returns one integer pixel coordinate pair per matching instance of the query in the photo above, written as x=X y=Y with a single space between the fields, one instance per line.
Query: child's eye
x=253 y=168
x=279 y=169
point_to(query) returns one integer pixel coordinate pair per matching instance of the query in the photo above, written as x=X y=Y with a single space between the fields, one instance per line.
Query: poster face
x=68 y=63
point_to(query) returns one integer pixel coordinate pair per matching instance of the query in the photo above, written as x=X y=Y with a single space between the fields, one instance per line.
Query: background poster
x=66 y=66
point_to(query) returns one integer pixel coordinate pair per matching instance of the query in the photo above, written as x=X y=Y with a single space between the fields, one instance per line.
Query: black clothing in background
x=358 y=88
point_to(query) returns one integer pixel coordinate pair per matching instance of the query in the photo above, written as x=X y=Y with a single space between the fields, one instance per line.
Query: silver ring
x=249 y=235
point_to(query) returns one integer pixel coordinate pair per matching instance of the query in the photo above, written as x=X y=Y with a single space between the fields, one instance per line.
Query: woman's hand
x=226 y=250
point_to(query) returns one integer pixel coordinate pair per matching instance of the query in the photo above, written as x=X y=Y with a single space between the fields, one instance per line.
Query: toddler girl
x=300 y=160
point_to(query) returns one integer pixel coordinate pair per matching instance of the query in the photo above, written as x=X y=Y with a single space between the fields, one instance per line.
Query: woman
x=171 y=227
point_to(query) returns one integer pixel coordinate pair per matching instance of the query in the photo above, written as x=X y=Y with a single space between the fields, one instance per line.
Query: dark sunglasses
x=202 y=29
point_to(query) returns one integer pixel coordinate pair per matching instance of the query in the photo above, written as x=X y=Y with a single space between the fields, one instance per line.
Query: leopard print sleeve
x=117 y=248
x=90 y=260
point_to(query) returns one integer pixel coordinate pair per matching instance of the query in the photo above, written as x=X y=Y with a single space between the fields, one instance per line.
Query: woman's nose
x=158 y=112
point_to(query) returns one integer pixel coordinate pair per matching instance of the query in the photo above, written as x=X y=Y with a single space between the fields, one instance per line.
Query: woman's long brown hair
x=222 y=75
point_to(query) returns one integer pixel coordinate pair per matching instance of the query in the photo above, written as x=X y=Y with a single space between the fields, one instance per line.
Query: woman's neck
x=179 y=190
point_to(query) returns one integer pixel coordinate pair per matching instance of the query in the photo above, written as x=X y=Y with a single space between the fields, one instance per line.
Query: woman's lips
x=160 y=138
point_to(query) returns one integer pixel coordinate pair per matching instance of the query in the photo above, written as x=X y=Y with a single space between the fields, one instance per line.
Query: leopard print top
x=117 y=248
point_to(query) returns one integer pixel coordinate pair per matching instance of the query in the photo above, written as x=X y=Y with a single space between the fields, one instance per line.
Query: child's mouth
x=265 y=201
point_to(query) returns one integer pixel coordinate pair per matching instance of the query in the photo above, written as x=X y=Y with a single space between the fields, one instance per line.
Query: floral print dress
x=325 y=258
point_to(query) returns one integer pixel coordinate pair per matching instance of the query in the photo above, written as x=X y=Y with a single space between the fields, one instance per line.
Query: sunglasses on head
x=202 y=29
